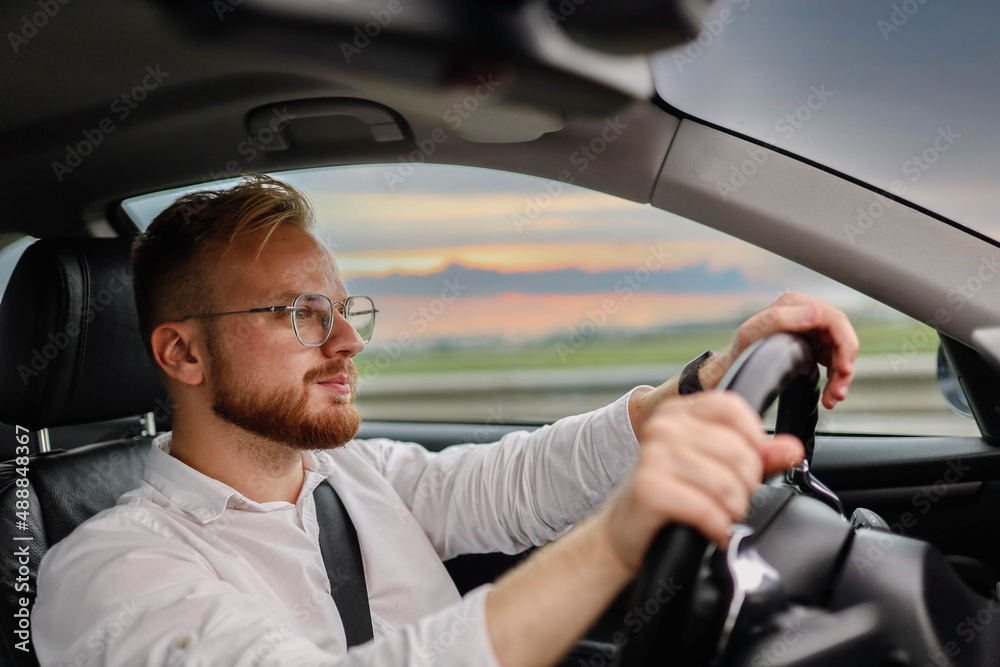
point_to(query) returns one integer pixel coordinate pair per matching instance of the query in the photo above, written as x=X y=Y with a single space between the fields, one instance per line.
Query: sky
x=895 y=75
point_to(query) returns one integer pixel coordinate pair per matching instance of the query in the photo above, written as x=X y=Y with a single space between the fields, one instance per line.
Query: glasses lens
x=360 y=312
x=312 y=317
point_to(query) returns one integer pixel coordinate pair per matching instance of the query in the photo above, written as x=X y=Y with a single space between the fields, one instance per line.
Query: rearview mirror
x=628 y=26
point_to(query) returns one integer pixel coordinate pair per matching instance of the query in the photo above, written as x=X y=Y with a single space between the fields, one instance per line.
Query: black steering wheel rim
x=781 y=365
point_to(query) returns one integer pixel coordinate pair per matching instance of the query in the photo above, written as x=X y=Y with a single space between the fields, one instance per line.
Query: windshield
x=901 y=94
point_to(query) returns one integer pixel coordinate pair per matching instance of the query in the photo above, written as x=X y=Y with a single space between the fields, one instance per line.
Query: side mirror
x=950 y=387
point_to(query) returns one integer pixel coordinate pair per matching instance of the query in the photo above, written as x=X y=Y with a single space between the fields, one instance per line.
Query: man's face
x=262 y=379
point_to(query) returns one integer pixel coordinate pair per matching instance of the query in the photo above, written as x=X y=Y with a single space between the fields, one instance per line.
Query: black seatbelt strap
x=338 y=541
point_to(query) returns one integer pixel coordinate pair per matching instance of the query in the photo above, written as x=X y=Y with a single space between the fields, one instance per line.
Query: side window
x=505 y=298
x=10 y=253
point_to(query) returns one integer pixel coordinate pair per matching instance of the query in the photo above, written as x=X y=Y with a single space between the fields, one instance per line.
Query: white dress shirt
x=184 y=570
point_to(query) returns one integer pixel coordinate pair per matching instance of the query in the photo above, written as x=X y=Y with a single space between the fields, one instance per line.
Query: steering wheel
x=784 y=365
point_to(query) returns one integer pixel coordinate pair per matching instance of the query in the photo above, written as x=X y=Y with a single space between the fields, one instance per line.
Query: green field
x=877 y=338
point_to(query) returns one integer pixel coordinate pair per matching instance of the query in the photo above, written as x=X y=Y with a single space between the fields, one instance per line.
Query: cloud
x=695 y=278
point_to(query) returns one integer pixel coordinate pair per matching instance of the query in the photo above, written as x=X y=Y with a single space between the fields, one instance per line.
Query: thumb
x=781 y=453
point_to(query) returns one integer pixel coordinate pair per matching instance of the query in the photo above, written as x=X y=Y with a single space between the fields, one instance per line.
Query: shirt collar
x=206 y=498
x=318 y=466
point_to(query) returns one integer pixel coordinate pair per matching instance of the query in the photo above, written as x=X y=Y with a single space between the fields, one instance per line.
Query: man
x=215 y=558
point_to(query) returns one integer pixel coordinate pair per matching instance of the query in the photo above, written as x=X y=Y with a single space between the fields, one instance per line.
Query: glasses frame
x=293 y=308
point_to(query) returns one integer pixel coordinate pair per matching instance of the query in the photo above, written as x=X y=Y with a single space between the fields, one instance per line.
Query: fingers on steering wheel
x=721 y=426
x=728 y=409
x=837 y=343
x=745 y=463
x=685 y=503
x=837 y=349
x=716 y=478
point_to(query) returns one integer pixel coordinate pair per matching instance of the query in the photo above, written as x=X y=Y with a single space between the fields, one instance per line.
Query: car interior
x=877 y=553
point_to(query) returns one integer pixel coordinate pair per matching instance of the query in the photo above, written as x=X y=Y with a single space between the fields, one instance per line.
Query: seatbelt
x=338 y=541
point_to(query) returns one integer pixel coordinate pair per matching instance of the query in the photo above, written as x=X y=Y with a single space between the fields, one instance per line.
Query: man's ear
x=176 y=354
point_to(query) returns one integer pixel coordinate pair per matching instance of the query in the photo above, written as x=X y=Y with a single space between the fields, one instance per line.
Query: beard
x=283 y=415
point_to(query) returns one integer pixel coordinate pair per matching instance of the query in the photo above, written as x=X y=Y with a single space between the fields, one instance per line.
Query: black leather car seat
x=70 y=353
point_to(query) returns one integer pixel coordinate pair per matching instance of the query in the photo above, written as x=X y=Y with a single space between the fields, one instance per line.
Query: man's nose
x=344 y=338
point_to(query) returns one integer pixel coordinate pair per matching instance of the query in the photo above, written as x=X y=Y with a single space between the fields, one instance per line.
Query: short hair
x=168 y=271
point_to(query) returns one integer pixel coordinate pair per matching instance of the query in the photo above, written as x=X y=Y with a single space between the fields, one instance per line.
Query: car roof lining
x=219 y=65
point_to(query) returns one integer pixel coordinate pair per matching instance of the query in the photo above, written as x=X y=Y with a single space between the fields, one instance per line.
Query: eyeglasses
x=313 y=314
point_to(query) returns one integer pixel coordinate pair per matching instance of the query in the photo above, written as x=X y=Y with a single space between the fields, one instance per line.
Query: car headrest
x=70 y=350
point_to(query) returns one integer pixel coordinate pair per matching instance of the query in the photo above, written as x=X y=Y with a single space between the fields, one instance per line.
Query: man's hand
x=701 y=459
x=828 y=329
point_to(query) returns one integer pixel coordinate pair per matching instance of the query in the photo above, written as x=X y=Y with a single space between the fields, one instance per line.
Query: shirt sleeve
x=525 y=490
x=139 y=599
